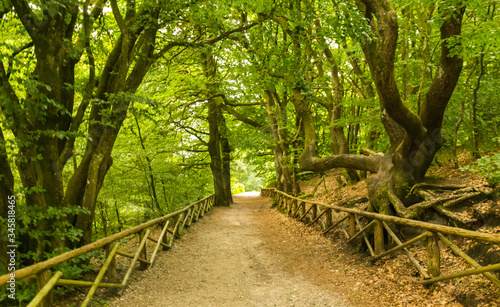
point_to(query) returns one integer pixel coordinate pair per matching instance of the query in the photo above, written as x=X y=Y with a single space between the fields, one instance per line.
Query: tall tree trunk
x=149 y=174
x=455 y=134
x=214 y=117
x=276 y=112
x=414 y=139
x=333 y=105
x=475 y=123
x=226 y=159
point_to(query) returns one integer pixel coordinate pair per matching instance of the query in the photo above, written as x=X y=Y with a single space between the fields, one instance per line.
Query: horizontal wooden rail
x=76 y=283
x=407 y=243
x=483 y=269
x=129 y=255
x=434 y=233
x=45 y=290
x=468 y=259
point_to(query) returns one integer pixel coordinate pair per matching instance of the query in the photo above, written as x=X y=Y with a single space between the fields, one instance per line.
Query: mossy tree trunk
x=277 y=114
x=218 y=146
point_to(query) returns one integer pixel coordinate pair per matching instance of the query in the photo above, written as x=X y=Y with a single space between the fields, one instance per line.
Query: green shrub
x=488 y=166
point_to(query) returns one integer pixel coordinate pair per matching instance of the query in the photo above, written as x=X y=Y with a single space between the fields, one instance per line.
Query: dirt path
x=242 y=256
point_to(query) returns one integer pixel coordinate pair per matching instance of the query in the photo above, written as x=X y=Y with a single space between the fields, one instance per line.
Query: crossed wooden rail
x=45 y=281
x=314 y=211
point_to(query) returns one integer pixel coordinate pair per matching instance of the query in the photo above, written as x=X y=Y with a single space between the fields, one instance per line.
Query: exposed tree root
x=444 y=186
x=440 y=203
x=460 y=199
x=452 y=216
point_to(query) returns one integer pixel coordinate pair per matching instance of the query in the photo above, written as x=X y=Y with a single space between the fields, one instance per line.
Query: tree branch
x=67 y=151
x=191 y=129
x=193 y=132
x=380 y=53
x=245 y=119
x=26 y=15
x=449 y=69
x=370 y=163
x=118 y=16
x=235 y=104
x=11 y=106
x=222 y=36
x=11 y=58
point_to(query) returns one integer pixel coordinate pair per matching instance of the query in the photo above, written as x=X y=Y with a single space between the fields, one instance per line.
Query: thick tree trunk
x=214 y=149
x=222 y=184
x=46 y=114
x=226 y=159
x=276 y=112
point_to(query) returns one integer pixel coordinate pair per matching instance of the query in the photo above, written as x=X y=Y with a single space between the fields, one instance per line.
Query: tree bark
x=475 y=124
x=226 y=159
x=151 y=180
x=214 y=117
x=276 y=112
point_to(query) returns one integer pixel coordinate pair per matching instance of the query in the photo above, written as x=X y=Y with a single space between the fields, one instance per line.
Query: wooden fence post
x=111 y=272
x=314 y=213
x=41 y=279
x=433 y=256
x=378 y=237
x=352 y=225
x=328 y=218
x=144 y=252
x=164 y=240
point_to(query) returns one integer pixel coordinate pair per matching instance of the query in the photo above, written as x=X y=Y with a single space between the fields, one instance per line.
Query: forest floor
x=251 y=255
x=244 y=255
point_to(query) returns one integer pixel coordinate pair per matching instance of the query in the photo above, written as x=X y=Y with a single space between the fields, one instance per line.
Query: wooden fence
x=315 y=211
x=45 y=280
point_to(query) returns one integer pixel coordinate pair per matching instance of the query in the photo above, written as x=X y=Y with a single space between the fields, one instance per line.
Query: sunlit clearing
x=253 y=193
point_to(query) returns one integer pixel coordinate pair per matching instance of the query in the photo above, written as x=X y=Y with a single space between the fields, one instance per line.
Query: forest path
x=242 y=255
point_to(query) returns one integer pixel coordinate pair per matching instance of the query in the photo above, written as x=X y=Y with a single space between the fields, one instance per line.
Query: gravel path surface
x=238 y=256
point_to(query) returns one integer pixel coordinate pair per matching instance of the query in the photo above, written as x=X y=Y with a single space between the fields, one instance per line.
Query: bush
x=488 y=166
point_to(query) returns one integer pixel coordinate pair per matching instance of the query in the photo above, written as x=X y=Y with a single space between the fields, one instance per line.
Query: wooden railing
x=45 y=280
x=315 y=211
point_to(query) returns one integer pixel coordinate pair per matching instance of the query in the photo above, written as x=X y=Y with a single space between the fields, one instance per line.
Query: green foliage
x=57 y=220
x=25 y=292
x=488 y=166
x=57 y=227
x=237 y=188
